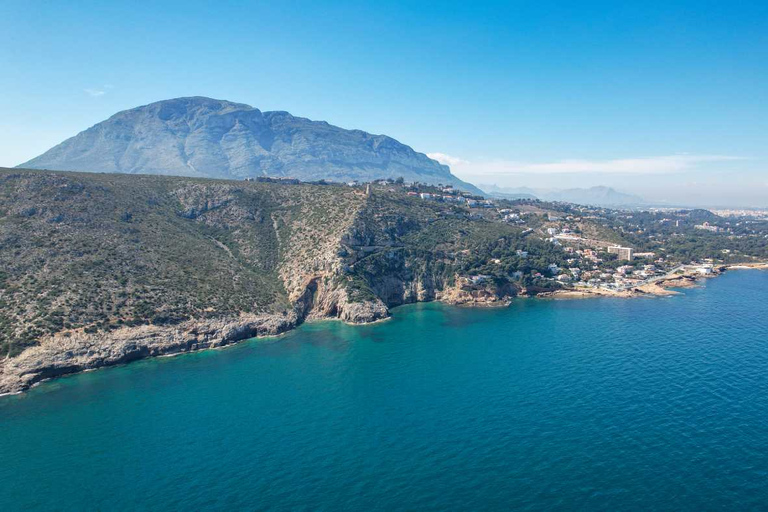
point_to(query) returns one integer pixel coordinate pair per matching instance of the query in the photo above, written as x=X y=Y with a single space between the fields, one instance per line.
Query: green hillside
x=105 y=250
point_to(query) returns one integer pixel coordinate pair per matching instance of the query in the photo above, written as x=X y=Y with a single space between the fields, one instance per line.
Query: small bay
x=608 y=404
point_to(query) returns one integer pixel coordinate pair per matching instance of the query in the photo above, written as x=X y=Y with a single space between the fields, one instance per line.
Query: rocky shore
x=73 y=352
x=747 y=266
x=660 y=288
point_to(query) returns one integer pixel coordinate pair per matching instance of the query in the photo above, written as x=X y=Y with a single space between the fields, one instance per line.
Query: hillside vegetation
x=99 y=251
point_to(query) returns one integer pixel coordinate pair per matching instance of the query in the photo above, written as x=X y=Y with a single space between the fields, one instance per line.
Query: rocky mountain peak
x=205 y=137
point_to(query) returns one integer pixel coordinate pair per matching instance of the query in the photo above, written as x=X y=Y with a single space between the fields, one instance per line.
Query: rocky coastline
x=661 y=288
x=74 y=352
x=77 y=351
x=132 y=268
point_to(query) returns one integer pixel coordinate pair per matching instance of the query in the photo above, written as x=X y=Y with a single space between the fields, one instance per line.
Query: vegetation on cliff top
x=103 y=250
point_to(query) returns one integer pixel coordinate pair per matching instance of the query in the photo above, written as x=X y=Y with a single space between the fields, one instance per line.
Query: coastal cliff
x=100 y=270
x=72 y=352
x=103 y=269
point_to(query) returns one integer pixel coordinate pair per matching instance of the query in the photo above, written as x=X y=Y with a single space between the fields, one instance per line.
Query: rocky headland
x=99 y=270
x=103 y=269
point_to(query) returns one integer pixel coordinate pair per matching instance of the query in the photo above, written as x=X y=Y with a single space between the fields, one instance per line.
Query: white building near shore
x=624 y=253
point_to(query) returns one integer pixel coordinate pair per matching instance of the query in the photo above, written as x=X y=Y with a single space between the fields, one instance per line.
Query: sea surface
x=596 y=404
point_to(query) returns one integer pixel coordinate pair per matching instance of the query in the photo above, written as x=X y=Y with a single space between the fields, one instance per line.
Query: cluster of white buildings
x=592 y=276
x=453 y=198
x=707 y=227
x=511 y=216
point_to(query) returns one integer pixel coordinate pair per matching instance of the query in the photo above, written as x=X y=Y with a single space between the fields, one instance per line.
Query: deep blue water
x=583 y=404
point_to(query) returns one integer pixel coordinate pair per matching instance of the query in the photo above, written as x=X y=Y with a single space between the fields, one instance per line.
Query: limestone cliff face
x=380 y=254
x=308 y=237
x=463 y=292
x=322 y=299
x=67 y=353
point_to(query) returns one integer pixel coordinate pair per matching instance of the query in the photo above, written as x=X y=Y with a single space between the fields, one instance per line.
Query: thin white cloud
x=447 y=159
x=95 y=93
x=644 y=165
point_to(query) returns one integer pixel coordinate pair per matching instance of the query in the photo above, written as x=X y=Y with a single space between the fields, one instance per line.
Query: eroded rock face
x=74 y=352
x=364 y=312
x=335 y=302
x=63 y=354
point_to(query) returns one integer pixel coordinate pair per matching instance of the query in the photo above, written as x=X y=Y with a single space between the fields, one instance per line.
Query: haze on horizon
x=666 y=100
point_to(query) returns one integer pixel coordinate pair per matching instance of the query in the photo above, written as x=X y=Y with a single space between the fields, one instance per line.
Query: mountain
x=593 y=196
x=509 y=193
x=204 y=137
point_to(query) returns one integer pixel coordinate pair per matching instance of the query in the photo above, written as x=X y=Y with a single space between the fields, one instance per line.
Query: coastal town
x=590 y=241
x=593 y=256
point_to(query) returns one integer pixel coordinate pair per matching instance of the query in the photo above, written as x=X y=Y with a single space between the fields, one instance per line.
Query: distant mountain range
x=595 y=196
x=509 y=193
x=204 y=137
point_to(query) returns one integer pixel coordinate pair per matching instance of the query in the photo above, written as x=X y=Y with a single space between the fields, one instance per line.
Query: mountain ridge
x=599 y=195
x=203 y=137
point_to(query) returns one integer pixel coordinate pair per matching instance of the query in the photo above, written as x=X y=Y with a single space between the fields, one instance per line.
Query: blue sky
x=667 y=99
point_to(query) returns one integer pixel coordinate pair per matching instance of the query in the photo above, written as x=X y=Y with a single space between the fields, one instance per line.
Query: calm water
x=592 y=404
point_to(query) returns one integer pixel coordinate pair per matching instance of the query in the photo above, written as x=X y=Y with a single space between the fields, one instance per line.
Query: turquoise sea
x=599 y=404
